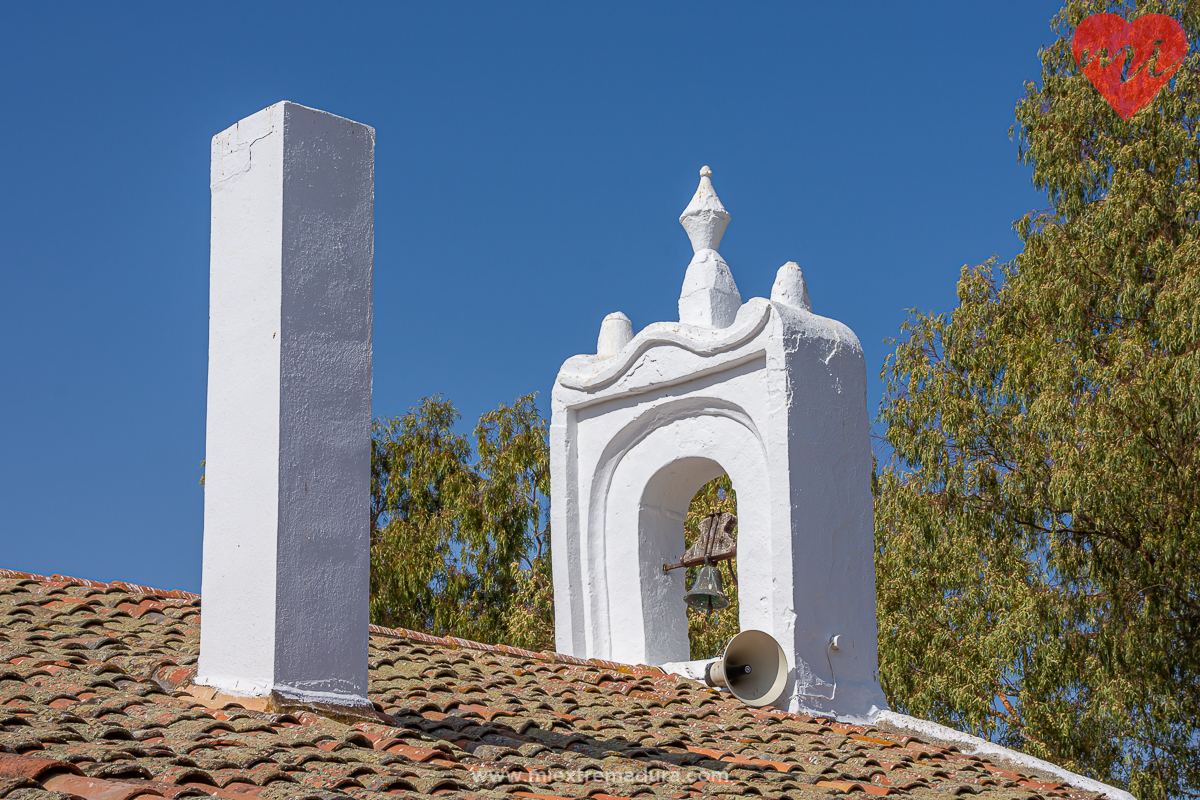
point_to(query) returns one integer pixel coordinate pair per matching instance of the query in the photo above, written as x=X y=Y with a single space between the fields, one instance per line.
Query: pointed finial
x=705 y=218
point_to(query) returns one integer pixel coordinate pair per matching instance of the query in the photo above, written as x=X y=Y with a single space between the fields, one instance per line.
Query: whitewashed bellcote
x=764 y=391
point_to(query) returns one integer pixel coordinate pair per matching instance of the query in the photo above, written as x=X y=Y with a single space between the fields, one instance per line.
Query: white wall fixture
x=765 y=391
x=287 y=480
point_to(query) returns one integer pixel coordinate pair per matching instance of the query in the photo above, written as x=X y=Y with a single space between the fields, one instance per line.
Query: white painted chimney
x=287 y=480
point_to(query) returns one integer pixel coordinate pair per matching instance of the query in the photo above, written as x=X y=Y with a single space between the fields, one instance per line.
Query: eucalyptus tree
x=1038 y=517
x=458 y=541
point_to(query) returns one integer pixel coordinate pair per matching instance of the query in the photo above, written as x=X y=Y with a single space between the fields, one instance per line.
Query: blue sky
x=531 y=163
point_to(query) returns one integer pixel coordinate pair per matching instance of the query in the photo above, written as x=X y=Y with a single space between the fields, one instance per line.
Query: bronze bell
x=708 y=592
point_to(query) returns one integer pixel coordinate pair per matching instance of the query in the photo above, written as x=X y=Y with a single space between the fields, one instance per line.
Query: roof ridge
x=66 y=580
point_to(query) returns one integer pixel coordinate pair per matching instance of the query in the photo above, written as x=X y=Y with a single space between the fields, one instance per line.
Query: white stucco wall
x=775 y=397
x=287 y=480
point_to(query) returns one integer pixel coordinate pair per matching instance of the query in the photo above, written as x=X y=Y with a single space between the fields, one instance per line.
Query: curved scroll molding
x=580 y=373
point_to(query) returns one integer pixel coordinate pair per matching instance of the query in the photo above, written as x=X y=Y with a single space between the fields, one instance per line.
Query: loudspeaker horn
x=754 y=669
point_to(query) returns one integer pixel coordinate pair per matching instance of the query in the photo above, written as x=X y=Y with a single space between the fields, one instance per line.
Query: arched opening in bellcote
x=645 y=507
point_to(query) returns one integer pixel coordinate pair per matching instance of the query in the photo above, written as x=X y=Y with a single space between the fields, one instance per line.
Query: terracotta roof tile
x=95 y=704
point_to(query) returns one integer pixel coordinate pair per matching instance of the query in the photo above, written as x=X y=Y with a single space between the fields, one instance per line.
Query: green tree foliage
x=709 y=633
x=457 y=545
x=1039 y=520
